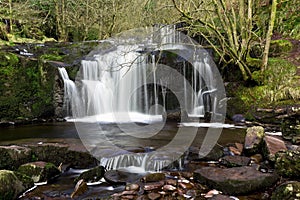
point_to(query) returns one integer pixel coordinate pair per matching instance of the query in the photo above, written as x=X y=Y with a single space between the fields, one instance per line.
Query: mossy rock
x=287 y=191
x=92 y=175
x=287 y=164
x=39 y=171
x=278 y=47
x=14 y=156
x=11 y=186
x=254 y=140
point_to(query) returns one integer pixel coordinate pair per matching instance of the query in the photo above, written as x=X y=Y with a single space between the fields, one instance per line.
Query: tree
x=269 y=35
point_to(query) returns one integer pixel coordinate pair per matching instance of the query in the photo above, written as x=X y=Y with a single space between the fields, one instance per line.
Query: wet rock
x=11 y=184
x=132 y=187
x=254 y=140
x=235 y=161
x=14 y=156
x=92 y=175
x=237 y=180
x=287 y=191
x=237 y=149
x=80 y=188
x=62 y=153
x=154 y=177
x=287 y=163
x=153 y=196
x=121 y=177
x=238 y=118
x=221 y=197
x=153 y=186
x=214 y=154
x=169 y=188
x=39 y=171
x=257 y=158
x=272 y=146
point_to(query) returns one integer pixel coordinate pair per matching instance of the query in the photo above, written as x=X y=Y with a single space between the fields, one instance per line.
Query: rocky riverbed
x=263 y=166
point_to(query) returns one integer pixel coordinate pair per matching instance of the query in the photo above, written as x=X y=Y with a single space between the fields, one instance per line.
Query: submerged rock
x=92 y=175
x=14 y=156
x=12 y=184
x=254 y=140
x=287 y=191
x=237 y=180
x=287 y=163
x=39 y=171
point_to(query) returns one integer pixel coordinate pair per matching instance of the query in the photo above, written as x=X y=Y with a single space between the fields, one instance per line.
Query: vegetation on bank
x=241 y=33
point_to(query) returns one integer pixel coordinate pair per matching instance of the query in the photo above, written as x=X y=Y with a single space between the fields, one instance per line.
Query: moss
x=51 y=57
x=279 y=47
x=10 y=185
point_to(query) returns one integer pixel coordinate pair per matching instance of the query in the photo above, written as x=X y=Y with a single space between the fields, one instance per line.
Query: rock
x=153 y=186
x=132 y=187
x=272 y=146
x=287 y=191
x=121 y=177
x=237 y=180
x=221 y=197
x=80 y=188
x=92 y=175
x=62 y=153
x=254 y=140
x=14 y=156
x=235 y=161
x=39 y=171
x=287 y=163
x=154 y=177
x=153 y=196
x=169 y=188
x=238 y=118
x=11 y=186
x=257 y=158
x=215 y=154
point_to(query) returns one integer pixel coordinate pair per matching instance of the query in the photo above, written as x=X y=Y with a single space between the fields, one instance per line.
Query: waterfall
x=123 y=82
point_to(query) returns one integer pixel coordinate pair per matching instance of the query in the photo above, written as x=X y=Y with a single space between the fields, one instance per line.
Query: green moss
x=279 y=47
x=51 y=57
x=10 y=186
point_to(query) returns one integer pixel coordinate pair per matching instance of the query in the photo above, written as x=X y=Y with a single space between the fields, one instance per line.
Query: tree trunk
x=269 y=35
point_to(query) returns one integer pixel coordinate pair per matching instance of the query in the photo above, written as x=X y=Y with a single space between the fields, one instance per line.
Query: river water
x=65 y=132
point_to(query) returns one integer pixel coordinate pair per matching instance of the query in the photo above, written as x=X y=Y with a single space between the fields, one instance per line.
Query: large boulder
x=287 y=191
x=254 y=140
x=13 y=156
x=234 y=181
x=57 y=153
x=39 y=171
x=287 y=163
x=12 y=184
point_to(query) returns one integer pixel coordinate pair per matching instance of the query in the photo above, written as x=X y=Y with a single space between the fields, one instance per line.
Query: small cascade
x=141 y=162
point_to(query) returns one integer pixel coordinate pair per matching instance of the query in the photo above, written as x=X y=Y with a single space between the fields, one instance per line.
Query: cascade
x=112 y=85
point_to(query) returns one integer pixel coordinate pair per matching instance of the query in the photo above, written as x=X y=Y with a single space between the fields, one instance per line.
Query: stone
x=287 y=164
x=221 y=197
x=57 y=153
x=235 y=161
x=13 y=156
x=254 y=140
x=121 y=177
x=287 y=191
x=153 y=196
x=80 y=188
x=153 y=186
x=154 y=177
x=257 y=158
x=39 y=171
x=272 y=146
x=132 y=187
x=237 y=180
x=11 y=184
x=92 y=175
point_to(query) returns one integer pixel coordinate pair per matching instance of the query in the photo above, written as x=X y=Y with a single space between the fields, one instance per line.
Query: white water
x=113 y=86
